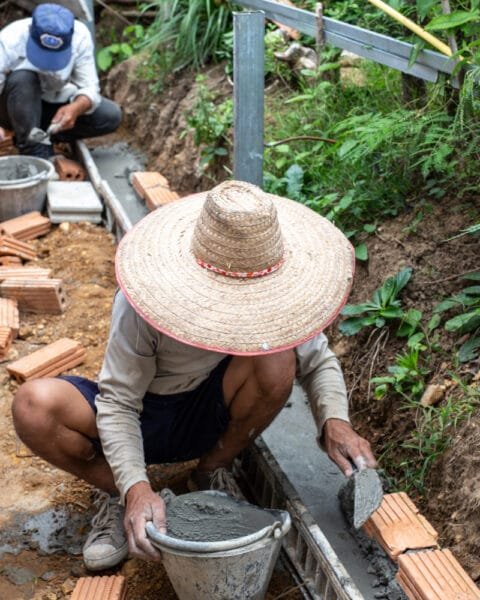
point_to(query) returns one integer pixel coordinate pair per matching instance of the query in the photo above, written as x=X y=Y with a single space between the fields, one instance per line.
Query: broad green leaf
x=369 y=227
x=294 y=177
x=104 y=59
x=392 y=312
x=361 y=252
x=472 y=290
x=465 y=322
x=446 y=305
x=469 y=350
x=352 y=326
x=472 y=276
x=353 y=310
x=415 y=340
x=454 y=19
x=379 y=322
x=434 y=322
x=402 y=278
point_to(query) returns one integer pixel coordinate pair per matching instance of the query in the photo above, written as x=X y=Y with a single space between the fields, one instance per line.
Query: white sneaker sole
x=107 y=562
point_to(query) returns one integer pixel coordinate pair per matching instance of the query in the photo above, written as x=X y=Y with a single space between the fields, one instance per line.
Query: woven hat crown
x=237 y=232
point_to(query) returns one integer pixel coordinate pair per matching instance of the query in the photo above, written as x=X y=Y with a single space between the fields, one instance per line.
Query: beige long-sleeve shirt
x=140 y=359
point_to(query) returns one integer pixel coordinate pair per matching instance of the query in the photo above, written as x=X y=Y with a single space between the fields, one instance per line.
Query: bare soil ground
x=82 y=255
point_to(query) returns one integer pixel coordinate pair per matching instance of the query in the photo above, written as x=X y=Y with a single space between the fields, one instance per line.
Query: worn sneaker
x=221 y=480
x=107 y=543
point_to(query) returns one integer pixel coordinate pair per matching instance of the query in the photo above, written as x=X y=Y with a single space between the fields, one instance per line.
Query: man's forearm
x=82 y=104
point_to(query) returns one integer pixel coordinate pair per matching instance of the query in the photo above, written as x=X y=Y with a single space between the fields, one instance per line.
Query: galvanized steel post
x=248 y=75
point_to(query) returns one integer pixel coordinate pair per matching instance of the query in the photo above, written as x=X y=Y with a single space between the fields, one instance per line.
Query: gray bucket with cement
x=217 y=548
x=23 y=184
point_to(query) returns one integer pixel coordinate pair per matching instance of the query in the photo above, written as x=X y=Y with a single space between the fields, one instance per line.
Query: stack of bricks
x=6 y=338
x=53 y=359
x=6 y=144
x=103 y=587
x=69 y=170
x=9 y=316
x=153 y=188
x=36 y=295
x=425 y=572
x=21 y=272
x=10 y=246
x=26 y=227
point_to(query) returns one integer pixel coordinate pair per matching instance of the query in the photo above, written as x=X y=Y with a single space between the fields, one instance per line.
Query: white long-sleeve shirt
x=78 y=78
x=140 y=359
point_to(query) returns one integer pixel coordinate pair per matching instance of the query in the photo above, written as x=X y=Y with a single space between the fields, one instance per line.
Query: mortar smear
x=202 y=517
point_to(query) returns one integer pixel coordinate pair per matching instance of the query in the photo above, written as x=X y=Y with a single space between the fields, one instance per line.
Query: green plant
x=384 y=306
x=210 y=122
x=187 y=32
x=117 y=52
x=468 y=320
x=407 y=375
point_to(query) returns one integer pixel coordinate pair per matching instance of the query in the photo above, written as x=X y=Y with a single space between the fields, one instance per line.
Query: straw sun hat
x=236 y=270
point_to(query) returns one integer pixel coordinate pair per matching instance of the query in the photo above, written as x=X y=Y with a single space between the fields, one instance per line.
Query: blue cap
x=49 y=46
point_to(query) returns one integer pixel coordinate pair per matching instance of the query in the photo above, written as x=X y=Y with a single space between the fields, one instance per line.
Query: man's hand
x=143 y=505
x=67 y=115
x=344 y=446
x=2 y=134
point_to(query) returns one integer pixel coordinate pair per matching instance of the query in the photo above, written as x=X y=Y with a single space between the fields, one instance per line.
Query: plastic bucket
x=23 y=184
x=233 y=569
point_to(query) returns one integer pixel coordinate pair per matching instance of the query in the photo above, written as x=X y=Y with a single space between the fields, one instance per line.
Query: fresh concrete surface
x=115 y=164
x=291 y=439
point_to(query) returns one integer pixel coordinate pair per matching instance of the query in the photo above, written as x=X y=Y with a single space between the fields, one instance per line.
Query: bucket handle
x=276 y=530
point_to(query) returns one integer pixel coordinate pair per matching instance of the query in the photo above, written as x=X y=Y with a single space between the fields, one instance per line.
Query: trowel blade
x=360 y=496
x=39 y=136
x=368 y=495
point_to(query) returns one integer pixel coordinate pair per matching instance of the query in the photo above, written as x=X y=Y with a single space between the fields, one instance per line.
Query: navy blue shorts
x=175 y=427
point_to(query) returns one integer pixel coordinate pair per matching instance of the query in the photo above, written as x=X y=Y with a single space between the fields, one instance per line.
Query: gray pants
x=22 y=109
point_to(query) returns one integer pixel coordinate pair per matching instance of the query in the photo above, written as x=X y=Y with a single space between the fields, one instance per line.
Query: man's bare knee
x=275 y=374
x=32 y=404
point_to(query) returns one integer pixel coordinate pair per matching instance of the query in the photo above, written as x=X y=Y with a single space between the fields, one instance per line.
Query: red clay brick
x=75 y=359
x=9 y=315
x=13 y=247
x=142 y=180
x=26 y=227
x=10 y=260
x=398 y=526
x=153 y=188
x=6 y=145
x=47 y=359
x=69 y=170
x=16 y=272
x=6 y=339
x=36 y=295
x=435 y=575
x=113 y=587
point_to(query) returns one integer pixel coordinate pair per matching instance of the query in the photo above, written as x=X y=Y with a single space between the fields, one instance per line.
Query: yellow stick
x=431 y=39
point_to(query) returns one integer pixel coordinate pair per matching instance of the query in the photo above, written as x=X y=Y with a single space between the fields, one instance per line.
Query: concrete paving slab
x=60 y=217
x=115 y=164
x=291 y=438
x=74 y=197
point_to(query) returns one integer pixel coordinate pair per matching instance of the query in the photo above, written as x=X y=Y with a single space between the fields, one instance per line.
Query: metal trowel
x=43 y=137
x=360 y=496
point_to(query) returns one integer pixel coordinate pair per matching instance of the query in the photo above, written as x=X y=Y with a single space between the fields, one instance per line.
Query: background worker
x=223 y=299
x=48 y=77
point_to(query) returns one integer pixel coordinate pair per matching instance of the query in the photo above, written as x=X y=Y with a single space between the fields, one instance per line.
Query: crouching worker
x=223 y=297
x=48 y=80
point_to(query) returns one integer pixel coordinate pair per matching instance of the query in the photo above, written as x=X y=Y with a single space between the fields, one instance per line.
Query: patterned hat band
x=238 y=274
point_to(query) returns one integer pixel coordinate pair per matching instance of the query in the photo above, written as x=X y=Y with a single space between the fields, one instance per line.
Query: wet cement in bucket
x=202 y=517
x=12 y=170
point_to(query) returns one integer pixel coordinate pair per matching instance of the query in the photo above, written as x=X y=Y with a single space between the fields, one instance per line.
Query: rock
x=78 y=570
x=68 y=586
x=64 y=227
x=49 y=596
x=18 y=575
x=432 y=394
x=48 y=575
